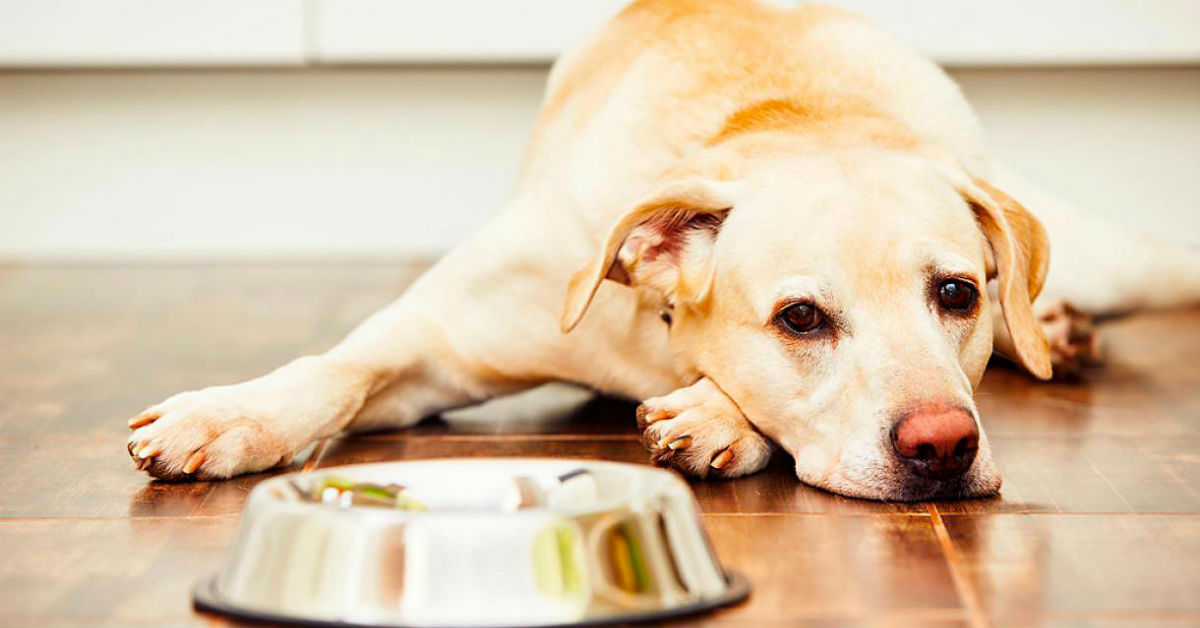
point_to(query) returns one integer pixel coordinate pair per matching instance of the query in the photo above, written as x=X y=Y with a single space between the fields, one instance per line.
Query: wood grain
x=1077 y=569
x=1097 y=523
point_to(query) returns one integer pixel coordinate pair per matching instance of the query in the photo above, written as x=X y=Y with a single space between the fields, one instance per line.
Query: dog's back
x=666 y=77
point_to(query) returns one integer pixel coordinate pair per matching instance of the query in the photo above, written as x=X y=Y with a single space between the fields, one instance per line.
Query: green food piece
x=566 y=557
x=333 y=481
x=620 y=561
x=554 y=565
x=374 y=490
x=368 y=494
x=546 y=567
x=641 y=581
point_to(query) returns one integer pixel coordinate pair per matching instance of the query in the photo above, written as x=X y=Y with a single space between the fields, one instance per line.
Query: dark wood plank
x=111 y=572
x=1082 y=569
x=69 y=475
x=835 y=571
x=85 y=348
x=1147 y=386
x=1093 y=474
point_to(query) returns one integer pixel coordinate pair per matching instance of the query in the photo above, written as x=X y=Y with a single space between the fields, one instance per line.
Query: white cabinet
x=147 y=33
x=955 y=32
x=1042 y=32
x=382 y=31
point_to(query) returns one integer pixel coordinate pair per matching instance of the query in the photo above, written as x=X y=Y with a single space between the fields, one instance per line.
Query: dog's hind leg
x=1097 y=268
x=1101 y=268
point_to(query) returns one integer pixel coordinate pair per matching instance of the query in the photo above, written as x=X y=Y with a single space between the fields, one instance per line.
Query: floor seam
x=966 y=593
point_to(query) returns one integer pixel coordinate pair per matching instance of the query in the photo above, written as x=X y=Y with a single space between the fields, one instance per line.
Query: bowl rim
x=206 y=598
x=375 y=513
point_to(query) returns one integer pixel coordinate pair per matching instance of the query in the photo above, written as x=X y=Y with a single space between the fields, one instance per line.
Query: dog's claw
x=193 y=462
x=149 y=451
x=680 y=443
x=647 y=416
x=698 y=431
x=146 y=418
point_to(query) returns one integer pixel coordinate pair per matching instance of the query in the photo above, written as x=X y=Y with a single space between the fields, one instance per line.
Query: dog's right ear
x=655 y=245
x=1022 y=253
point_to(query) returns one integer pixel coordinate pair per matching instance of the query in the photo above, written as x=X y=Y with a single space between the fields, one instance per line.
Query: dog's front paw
x=214 y=433
x=1073 y=340
x=700 y=432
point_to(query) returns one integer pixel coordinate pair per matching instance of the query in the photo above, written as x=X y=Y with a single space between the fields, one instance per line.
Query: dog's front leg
x=222 y=431
x=701 y=432
x=397 y=367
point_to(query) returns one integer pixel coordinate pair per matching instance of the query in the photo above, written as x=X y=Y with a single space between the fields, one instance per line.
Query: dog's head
x=842 y=301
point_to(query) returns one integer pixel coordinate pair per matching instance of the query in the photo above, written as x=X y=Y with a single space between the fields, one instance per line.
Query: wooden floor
x=1097 y=524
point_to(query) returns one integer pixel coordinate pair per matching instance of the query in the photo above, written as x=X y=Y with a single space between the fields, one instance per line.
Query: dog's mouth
x=921 y=489
x=880 y=483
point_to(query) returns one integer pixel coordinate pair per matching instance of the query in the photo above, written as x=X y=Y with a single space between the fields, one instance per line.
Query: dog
x=775 y=227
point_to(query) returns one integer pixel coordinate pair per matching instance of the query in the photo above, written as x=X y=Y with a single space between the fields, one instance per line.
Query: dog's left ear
x=662 y=243
x=1022 y=254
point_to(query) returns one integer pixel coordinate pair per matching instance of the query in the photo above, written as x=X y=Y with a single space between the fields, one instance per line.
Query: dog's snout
x=936 y=441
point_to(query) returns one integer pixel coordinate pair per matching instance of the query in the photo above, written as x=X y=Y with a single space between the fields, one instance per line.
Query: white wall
x=400 y=162
x=149 y=164
x=1124 y=144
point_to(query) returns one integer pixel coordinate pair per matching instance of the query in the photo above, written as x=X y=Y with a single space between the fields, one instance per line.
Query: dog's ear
x=662 y=243
x=1022 y=255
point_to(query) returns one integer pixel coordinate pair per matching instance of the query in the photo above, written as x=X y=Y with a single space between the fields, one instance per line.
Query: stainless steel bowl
x=498 y=542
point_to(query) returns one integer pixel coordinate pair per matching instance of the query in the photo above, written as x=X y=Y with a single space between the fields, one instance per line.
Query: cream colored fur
x=715 y=160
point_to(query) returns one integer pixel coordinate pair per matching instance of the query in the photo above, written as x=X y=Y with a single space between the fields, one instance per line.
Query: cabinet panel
x=139 y=33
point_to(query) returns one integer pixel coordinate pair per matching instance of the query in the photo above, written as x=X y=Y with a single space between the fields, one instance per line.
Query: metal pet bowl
x=499 y=542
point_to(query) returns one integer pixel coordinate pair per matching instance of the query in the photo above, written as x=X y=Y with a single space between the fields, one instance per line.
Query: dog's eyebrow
x=808 y=288
x=799 y=288
x=946 y=263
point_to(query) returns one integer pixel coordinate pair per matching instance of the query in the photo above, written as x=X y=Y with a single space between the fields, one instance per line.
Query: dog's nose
x=936 y=441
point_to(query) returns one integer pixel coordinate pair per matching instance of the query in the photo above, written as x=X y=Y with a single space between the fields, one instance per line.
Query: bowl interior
x=504 y=485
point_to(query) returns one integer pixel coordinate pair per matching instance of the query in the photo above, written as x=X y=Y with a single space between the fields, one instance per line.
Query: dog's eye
x=957 y=295
x=801 y=318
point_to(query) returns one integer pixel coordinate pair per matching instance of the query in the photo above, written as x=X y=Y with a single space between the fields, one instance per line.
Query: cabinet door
x=1042 y=32
x=66 y=33
x=953 y=32
x=381 y=31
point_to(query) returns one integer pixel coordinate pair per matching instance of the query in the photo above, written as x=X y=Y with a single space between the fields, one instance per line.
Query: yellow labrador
x=772 y=226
